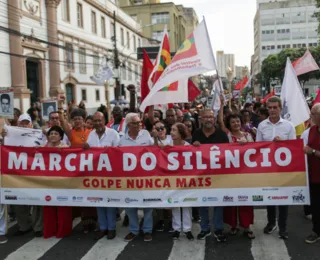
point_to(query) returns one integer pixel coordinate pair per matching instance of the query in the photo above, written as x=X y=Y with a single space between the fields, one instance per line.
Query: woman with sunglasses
x=163 y=138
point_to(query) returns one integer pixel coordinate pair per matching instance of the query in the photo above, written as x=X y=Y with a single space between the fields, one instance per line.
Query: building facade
x=154 y=15
x=60 y=44
x=283 y=24
x=225 y=61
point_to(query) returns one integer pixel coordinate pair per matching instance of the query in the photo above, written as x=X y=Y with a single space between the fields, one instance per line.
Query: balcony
x=284 y=20
x=283 y=36
x=268 y=37
x=312 y=35
x=267 y=22
x=298 y=19
x=299 y=35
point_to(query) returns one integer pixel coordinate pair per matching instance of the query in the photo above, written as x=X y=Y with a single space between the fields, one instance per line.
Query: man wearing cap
x=118 y=122
x=25 y=223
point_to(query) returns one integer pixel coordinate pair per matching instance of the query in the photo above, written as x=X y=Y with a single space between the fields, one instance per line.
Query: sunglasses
x=160 y=129
x=189 y=126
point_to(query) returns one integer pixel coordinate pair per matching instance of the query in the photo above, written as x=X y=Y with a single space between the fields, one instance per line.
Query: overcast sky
x=230 y=25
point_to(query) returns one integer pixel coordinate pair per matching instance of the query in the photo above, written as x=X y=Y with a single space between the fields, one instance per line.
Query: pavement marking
x=266 y=247
x=185 y=249
x=12 y=224
x=37 y=247
x=109 y=249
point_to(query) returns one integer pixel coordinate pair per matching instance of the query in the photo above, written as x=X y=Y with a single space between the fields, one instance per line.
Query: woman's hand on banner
x=242 y=142
x=307 y=150
x=277 y=139
x=196 y=144
x=86 y=146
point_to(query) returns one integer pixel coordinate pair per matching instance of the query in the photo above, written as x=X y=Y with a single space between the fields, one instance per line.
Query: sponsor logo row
x=297 y=197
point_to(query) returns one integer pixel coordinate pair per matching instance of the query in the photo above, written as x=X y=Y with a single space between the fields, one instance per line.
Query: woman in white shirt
x=163 y=138
x=178 y=134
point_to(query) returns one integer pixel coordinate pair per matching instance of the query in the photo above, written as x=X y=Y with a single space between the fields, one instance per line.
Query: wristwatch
x=313 y=152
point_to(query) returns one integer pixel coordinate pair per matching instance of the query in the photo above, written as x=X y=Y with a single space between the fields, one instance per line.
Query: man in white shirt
x=103 y=136
x=137 y=137
x=275 y=129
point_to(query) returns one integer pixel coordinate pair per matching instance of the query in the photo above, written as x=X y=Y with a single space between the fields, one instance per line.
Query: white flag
x=295 y=108
x=248 y=84
x=216 y=91
x=194 y=57
x=104 y=74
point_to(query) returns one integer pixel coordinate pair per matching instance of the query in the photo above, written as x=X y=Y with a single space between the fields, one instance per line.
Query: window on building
x=128 y=40
x=304 y=45
x=134 y=43
x=103 y=27
x=124 y=71
x=65 y=10
x=288 y=46
x=136 y=72
x=263 y=47
x=112 y=29
x=279 y=47
x=137 y=2
x=160 y=18
x=129 y=71
x=95 y=62
x=93 y=22
x=82 y=60
x=157 y=35
x=97 y=95
x=294 y=45
x=69 y=55
x=122 y=36
x=79 y=15
x=84 y=94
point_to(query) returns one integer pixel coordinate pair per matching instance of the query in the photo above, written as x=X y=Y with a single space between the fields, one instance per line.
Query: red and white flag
x=305 y=64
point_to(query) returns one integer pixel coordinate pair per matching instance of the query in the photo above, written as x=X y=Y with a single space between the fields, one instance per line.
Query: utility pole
x=117 y=89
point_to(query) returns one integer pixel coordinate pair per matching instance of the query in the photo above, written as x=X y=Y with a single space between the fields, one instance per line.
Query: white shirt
x=305 y=136
x=267 y=131
x=143 y=139
x=166 y=141
x=109 y=138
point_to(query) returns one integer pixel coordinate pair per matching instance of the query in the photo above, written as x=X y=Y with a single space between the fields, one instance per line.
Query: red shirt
x=313 y=161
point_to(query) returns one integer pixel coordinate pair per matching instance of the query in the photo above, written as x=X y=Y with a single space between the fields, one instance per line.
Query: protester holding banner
x=244 y=213
x=209 y=134
x=179 y=134
x=103 y=136
x=163 y=138
x=25 y=223
x=57 y=221
x=137 y=137
x=276 y=129
x=312 y=149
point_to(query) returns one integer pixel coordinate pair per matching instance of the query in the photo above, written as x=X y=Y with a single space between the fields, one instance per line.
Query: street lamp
x=229 y=77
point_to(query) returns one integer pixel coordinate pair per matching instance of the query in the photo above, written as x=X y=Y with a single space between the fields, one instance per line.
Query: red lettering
x=200 y=182
x=181 y=183
x=149 y=184
x=118 y=184
x=208 y=182
x=157 y=183
x=139 y=184
x=130 y=184
x=166 y=183
x=103 y=185
x=86 y=183
x=192 y=183
x=110 y=183
x=95 y=183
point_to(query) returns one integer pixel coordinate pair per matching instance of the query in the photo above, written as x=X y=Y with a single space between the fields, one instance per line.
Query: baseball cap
x=24 y=117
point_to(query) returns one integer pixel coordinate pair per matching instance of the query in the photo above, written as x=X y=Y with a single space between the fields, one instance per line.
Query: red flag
x=317 y=99
x=244 y=82
x=237 y=86
x=193 y=91
x=146 y=71
x=305 y=64
x=271 y=94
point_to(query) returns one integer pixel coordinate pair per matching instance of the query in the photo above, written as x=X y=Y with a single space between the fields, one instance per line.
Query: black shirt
x=218 y=137
x=255 y=120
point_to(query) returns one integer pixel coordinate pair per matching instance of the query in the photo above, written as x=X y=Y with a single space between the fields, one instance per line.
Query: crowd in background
x=180 y=124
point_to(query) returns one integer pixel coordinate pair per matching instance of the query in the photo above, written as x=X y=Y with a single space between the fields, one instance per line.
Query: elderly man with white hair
x=312 y=150
x=137 y=137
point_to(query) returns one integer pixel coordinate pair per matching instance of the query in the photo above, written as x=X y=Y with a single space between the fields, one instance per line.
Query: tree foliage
x=273 y=67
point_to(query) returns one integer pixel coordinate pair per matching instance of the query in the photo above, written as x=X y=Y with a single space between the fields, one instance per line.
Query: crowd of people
x=183 y=124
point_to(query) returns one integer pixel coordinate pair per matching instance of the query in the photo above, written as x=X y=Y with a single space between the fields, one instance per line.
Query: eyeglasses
x=160 y=129
x=136 y=123
x=272 y=107
x=189 y=126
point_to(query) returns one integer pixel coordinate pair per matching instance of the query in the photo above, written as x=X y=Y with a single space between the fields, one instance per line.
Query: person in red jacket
x=312 y=149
